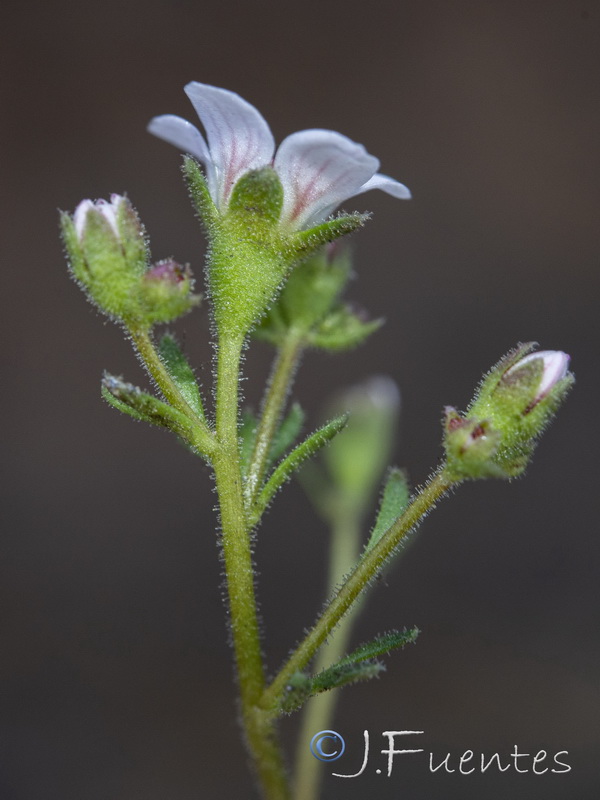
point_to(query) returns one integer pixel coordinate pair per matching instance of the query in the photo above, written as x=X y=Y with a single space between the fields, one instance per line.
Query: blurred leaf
x=181 y=372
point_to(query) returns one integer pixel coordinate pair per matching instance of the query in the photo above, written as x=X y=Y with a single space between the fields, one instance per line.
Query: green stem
x=259 y=725
x=145 y=346
x=280 y=381
x=356 y=582
x=318 y=712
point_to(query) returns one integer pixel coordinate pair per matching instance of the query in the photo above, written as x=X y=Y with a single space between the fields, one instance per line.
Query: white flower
x=318 y=169
x=555 y=366
x=108 y=210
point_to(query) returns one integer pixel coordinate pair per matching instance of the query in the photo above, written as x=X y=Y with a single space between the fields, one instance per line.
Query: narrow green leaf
x=344 y=674
x=181 y=372
x=121 y=406
x=302 y=687
x=380 y=646
x=247 y=437
x=297 y=692
x=131 y=400
x=394 y=500
x=283 y=472
x=288 y=432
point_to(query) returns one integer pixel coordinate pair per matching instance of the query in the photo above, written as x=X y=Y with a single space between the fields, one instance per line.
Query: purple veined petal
x=388 y=185
x=239 y=139
x=187 y=138
x=320 y=169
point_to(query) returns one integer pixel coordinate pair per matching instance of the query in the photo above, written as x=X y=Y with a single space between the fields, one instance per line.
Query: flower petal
x=388 y=185
x=320 y=169
x=188 y=139
x=239 y=139
x=80 y=216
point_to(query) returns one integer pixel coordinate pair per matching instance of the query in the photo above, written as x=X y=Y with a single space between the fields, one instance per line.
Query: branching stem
x=145 y=346
x=258 y=724
x=280 y=381
x=357 y=581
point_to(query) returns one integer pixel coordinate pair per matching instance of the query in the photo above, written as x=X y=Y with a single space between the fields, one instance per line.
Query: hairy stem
x=145 y=346
x=356 y=582
x=258 y=725
x=280 y=381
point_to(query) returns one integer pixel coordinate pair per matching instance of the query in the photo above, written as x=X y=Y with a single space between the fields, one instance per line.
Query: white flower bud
x=555 y=367
x=108 y=210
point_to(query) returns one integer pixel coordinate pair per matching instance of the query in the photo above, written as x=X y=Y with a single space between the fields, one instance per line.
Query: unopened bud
x=107 y=250
x=554 y=368
x=513 y=405
x=166 y=291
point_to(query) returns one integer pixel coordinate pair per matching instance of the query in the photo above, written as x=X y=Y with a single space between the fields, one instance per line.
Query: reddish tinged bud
x=166 y=291
x=169 y=271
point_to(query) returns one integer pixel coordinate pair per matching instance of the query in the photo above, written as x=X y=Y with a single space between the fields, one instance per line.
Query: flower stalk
x=358 y=580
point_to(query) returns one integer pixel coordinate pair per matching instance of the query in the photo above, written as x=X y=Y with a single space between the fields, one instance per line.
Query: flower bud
x=513 y=405
x=107 y=250
x=554 y=366
x=166 y=291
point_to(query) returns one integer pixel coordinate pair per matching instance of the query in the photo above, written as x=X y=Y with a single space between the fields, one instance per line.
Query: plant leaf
x=394 y=500
x=302 y=687
x=380 y=646
x=285 y=469
x=131 y=400
x=181 y=372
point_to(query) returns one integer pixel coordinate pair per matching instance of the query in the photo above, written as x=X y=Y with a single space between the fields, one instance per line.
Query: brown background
x=116 y=678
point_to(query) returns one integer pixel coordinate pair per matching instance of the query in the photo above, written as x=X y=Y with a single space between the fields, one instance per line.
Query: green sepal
x=471 y=448
x=75 y=260
x=133 y=401
x=199 y=193
x=305 y=243
x=394 y=501
x=286 y=468
x=286 y=434
x=258 y=193
x=165 y=293
x=342 y=329
x=132 y=238
x=181 y=373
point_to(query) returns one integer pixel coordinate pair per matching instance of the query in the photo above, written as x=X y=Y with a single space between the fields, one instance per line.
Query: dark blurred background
x=115 y=670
